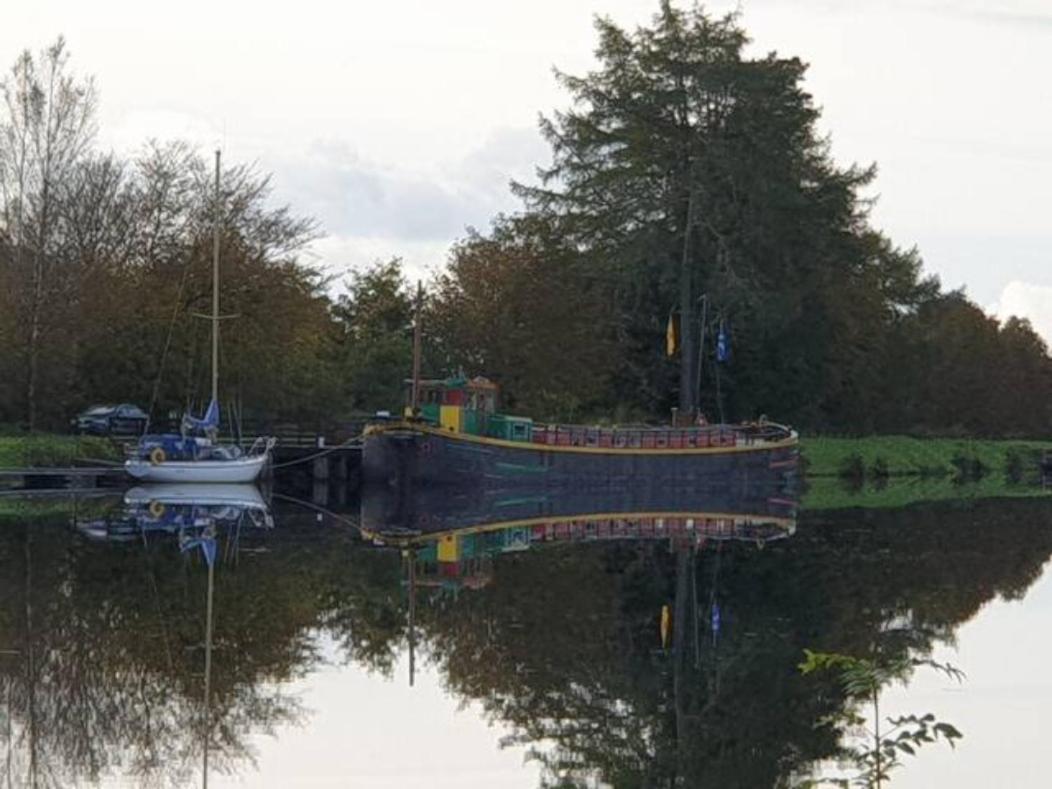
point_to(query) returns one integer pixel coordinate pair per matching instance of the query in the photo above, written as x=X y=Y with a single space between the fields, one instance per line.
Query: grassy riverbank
x=876 y=457
x=46 y=450
x=830 y=493
x=15 y=508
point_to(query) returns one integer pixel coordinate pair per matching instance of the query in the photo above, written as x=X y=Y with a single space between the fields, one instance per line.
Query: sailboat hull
x=212 y=471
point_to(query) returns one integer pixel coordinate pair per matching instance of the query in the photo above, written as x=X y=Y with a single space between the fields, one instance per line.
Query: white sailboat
x=245 y=468
x=185 y=457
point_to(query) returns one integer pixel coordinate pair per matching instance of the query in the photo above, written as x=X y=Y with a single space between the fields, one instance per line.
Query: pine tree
x=685 y=167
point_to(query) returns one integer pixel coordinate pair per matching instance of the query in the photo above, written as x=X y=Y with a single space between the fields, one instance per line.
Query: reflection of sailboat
x=206 y=727
x=195 y=513
x=103 y=649
x=185 y=457
x=239 y=496
x=179 y=509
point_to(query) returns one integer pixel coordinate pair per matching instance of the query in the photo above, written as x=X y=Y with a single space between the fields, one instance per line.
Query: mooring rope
x=103 y=462
x=348 y=444
x=318 y=508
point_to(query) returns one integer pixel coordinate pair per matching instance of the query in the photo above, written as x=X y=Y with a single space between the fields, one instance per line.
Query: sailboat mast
x=215 y=288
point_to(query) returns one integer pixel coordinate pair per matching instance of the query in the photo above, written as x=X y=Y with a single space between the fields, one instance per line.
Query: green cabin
x=468 y=405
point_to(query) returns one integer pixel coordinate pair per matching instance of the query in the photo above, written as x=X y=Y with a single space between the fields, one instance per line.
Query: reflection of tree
x=102 y=647
x=546 y=649
x=563 y=644
x=102 y=658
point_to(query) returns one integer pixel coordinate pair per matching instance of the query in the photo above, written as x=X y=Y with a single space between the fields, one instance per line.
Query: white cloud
x=371 y=210
x=134 y=128
x=352 y=194
x=338 y=255
x=1026 y=300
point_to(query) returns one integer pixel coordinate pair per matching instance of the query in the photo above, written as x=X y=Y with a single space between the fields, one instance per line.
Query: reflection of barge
x=690 y=527
x=458 y=437
x=457 y=537
x=401 y=512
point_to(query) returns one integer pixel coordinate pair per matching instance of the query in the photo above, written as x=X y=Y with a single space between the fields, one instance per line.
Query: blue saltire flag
x=723 y=345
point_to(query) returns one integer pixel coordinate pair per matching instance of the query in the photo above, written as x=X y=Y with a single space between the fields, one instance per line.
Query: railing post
x=320 y=464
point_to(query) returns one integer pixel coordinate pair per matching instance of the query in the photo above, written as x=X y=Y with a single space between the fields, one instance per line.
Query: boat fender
x=157 y=456
x=157 y=508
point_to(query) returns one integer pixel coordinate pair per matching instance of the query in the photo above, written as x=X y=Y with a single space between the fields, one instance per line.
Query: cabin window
x=429 y=396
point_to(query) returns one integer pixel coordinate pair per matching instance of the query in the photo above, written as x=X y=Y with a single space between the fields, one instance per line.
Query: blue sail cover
x=206 y=544
x=210 y=421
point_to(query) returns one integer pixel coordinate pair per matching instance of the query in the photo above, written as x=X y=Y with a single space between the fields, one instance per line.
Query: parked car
x=111 y=420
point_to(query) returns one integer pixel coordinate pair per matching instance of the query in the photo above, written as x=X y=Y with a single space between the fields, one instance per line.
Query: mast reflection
x=199 y=517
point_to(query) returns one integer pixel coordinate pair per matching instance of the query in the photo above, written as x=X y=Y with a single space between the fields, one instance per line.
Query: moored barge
x=456 y=436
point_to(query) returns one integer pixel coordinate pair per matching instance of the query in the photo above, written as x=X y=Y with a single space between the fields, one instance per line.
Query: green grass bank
x=14 y=509
x=831 y=493
x=45 y=450
x=875 y=457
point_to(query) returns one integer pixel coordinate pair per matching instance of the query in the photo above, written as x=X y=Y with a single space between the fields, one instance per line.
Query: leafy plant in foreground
x=879 y=750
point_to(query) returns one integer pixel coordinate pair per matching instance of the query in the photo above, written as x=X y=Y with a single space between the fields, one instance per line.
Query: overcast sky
x=397 y=125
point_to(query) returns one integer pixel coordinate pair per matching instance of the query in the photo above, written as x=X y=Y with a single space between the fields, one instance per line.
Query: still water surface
x=522 y=657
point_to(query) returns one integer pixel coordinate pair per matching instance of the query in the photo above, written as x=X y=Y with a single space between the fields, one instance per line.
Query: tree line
x=105 y=260
x=689 y=184
x=689 y=197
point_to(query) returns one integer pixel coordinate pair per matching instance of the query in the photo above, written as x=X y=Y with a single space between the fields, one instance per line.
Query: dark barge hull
x=407 y=455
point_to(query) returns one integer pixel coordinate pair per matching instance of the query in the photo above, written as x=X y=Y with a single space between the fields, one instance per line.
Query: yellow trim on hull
x=787 y=524
x=417 y=427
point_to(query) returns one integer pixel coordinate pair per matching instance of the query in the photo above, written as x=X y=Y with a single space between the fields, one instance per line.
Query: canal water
x=270 y=643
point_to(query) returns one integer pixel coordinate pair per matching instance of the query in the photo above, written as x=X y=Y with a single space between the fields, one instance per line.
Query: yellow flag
x=671 y=340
